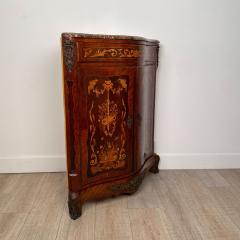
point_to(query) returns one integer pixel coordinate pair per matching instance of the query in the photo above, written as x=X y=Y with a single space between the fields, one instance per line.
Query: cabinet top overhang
x=111 y=37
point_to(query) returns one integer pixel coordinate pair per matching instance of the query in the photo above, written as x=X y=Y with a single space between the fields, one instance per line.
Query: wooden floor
x=179 y=204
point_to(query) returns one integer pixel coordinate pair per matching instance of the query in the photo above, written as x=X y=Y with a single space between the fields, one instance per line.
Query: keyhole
x=129 y=122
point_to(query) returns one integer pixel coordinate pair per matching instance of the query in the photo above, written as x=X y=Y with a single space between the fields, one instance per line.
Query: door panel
x=106 y=131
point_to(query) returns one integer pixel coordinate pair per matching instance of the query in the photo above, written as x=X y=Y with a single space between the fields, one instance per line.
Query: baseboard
x=26 y=164
x=199 y=160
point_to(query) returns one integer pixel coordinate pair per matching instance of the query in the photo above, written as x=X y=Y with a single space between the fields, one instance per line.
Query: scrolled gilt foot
x=74 y=206
x=154 y=169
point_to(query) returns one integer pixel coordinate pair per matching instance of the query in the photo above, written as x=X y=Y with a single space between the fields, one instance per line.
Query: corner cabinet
x=109 y=90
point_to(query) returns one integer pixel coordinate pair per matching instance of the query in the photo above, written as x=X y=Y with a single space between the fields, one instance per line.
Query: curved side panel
x=144 y=112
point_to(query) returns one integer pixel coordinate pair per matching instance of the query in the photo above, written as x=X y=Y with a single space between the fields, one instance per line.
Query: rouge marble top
x=103 y=36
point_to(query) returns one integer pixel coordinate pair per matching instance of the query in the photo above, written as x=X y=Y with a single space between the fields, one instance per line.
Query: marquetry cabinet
x=109 y=91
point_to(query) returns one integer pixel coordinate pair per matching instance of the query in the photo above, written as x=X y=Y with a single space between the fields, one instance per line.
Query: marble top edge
x=104 y=36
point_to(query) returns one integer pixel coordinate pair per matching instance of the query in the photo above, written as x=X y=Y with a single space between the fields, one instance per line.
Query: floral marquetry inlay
x=107 y=100
x=111 y=52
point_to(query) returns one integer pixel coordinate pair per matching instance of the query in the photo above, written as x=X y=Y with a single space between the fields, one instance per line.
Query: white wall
x=198 y=88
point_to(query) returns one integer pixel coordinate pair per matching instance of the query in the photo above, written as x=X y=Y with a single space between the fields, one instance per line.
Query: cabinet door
x=106 y=118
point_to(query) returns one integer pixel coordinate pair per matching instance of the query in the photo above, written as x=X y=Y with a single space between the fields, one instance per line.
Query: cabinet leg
x=74 y=205
x=154 y=169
